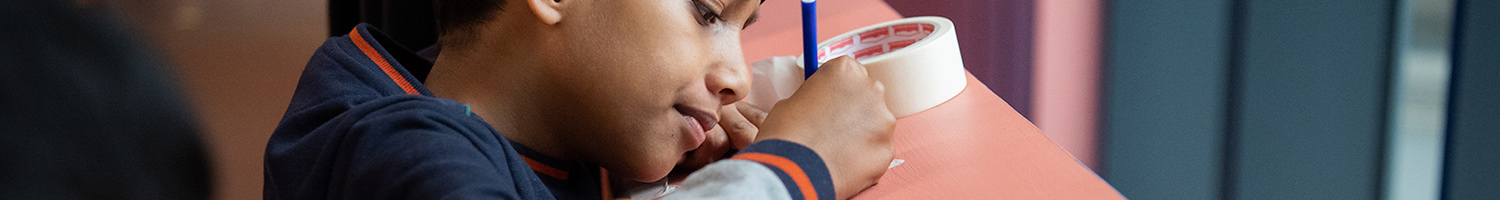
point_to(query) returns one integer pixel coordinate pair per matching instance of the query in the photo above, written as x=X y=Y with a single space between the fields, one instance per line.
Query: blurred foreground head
x=88 y=112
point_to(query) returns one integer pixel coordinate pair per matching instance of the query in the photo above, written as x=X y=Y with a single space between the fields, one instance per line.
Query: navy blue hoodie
x=362 y=126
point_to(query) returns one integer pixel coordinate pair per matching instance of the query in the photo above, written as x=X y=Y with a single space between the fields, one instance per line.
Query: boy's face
x=638 y=82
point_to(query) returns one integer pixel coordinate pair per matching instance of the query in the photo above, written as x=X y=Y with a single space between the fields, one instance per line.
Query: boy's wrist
x=801 y=169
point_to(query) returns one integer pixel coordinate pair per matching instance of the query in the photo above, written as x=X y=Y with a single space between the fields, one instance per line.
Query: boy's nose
x=729 y=81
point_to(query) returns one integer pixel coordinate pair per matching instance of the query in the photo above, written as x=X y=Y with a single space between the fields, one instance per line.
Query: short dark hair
x=457 y=18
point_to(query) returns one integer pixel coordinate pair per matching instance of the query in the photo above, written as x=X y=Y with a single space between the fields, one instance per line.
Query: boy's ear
x=549 y=11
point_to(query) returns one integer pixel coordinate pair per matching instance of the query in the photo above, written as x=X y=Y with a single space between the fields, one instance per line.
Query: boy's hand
x=740 y=123
x=737 y=128
x=840 y=113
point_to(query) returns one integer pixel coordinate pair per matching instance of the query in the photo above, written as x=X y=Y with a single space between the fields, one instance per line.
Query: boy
x=543 y=99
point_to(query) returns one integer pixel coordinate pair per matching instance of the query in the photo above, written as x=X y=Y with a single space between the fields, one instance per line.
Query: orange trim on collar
x=359 y=40
x=544 y=169
x=798 y=176
x=604 y=190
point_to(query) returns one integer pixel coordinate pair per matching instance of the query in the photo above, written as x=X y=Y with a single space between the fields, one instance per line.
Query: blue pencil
x=809 y=38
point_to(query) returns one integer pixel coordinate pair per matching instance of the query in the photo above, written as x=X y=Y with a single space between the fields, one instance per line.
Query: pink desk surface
x=975 y=146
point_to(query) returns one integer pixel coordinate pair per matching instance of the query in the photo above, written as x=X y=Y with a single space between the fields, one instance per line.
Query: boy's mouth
x=697 y=124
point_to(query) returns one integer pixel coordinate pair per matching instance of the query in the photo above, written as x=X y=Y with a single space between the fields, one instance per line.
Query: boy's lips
x=698 y=123
x=696 y=130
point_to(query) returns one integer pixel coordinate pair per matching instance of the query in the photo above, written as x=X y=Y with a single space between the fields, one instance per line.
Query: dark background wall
x=1165 y=108
x=1474 y=104
x=1247 y=99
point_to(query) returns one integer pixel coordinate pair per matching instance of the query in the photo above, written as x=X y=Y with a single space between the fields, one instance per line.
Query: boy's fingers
x=740 y=130
x=751 y=112
x=712 y=148
x=849 y=65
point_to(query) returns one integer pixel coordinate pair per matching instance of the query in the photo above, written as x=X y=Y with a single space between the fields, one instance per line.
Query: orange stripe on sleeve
x=359 y=40
x=786 y=165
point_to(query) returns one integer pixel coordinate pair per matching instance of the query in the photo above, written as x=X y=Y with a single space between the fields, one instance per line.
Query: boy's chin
x=680 y=172
x=648 y=178
x=645 y=174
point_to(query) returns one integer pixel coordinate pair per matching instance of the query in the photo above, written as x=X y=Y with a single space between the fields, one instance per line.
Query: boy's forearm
x=770 y=169
x=732 y=179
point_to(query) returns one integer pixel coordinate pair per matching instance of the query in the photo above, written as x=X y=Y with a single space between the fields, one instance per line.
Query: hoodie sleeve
x=771 y=169
x=410 y=148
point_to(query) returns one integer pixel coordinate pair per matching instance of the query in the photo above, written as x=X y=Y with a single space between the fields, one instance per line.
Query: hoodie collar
x=403 y=67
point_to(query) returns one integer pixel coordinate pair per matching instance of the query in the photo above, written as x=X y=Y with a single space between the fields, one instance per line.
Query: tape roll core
x=917 y=59
x=879 y=41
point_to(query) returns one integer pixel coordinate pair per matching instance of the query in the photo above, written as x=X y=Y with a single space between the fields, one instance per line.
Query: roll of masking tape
x=916 y=58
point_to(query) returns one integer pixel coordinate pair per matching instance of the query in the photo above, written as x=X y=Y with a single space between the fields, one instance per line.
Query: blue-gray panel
x=1308 y=121
x=1166 y=81
x=1472 y=168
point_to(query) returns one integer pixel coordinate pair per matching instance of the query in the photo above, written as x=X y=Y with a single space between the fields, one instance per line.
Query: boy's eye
x=707 y=15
